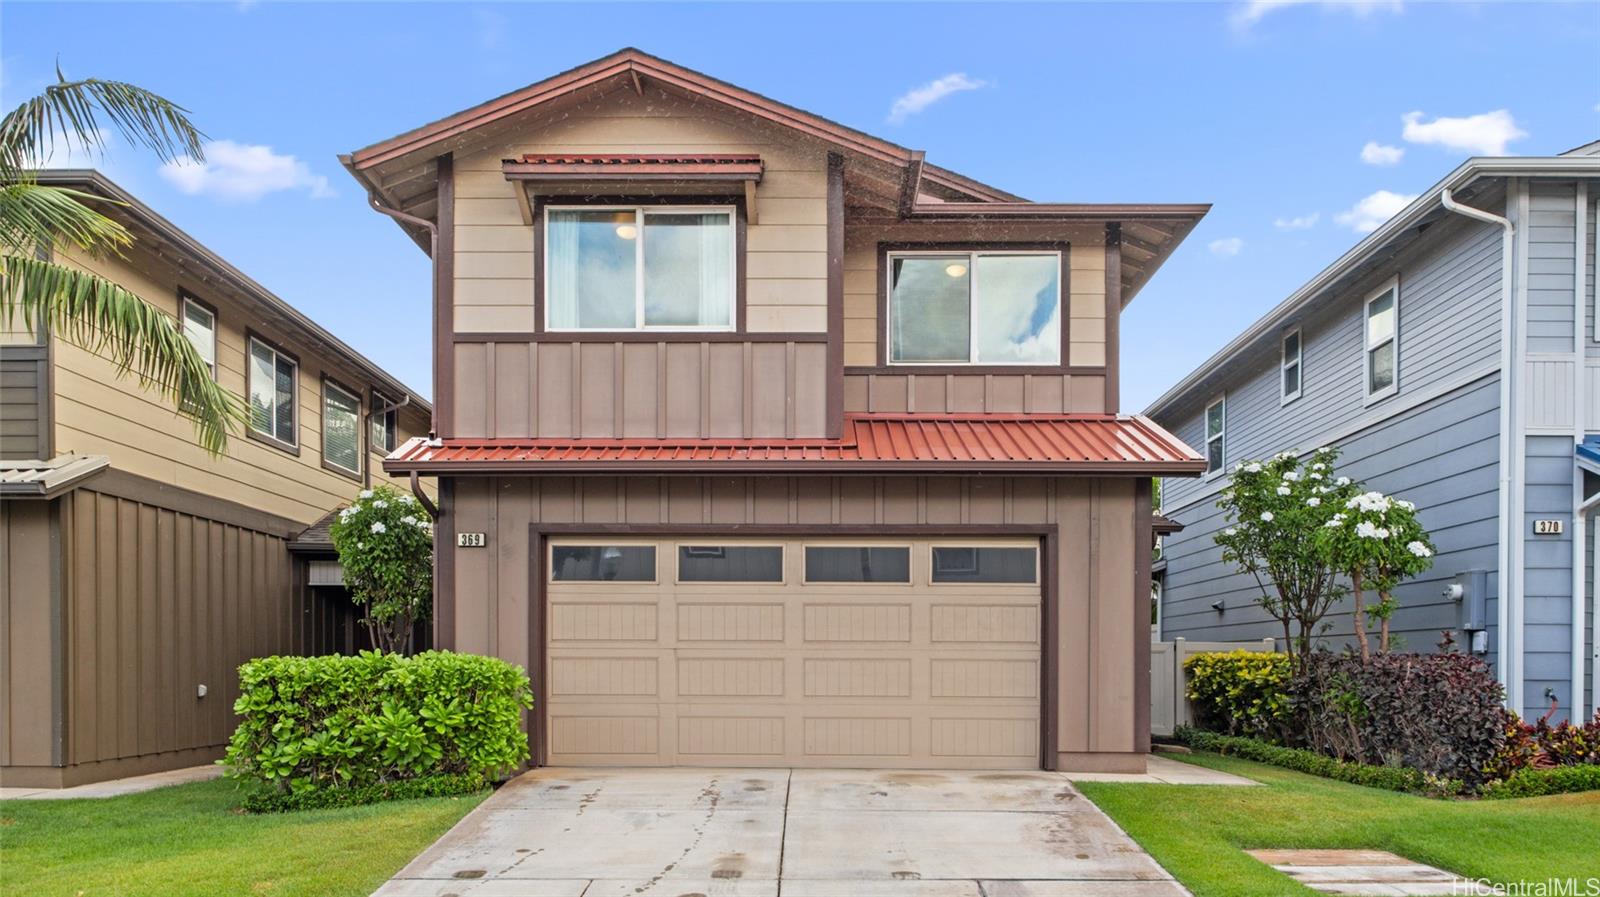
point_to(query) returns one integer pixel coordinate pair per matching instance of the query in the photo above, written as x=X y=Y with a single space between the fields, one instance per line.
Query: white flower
x=1366 y=530
x=1406 y=504
x=1381 y=533
x=1419 y=549
x=380 y=503
x=1283 y=490
x=346 y=513
x=1267 y=516
x=407 y=500
x=1316 y=476
x=1252 y=467
x=1342 y=481
x=378 y=527
x=1319 y=466
x=1230 y=531
x=1313 y=501
x=1291 y=475
x=365 y=493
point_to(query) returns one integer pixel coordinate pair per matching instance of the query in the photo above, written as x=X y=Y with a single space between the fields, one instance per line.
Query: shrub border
x=1390 y=778
x=271 y=800
x=1539 y=782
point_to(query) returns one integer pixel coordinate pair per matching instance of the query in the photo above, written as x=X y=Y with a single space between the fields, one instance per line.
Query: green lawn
x=193 y=840
x=1199 y=833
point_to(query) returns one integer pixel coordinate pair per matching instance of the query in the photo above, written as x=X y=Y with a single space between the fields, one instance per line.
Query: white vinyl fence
x=1168 y=706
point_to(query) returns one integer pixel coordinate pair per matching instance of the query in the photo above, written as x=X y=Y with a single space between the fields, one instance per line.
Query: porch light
x=627 y=231
x=955 y=269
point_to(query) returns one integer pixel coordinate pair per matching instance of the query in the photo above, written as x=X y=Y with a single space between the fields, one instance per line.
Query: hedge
x=1536 y=782
x=267 y=800
x=1392 y=778
x=1240 y=692
x=359 y=725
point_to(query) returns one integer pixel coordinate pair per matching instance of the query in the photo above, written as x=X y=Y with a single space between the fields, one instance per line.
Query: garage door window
x=603 y=563
x=730 y=563
x=962 y=564
x=863 y=564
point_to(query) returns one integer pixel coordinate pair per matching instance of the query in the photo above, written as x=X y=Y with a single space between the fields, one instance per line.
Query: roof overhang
x=1408 y=222
x=29 y=479
x=1098 y=445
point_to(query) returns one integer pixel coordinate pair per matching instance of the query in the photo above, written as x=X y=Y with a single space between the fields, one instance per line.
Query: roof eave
x=879 y=468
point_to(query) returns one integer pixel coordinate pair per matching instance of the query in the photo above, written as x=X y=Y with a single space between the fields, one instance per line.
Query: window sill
x=344 y=472
x=288 y=448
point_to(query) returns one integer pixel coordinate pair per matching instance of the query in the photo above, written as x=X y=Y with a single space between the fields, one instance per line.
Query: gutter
x=1508 y=543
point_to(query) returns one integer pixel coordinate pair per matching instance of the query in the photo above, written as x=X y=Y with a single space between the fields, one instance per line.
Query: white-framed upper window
x=1381 y=324
x=1216 y=427
x=991 y=308
x=385 y=424
x=1289 y=366
x=273 y=385
x=341 y=428
x=200 y=328
x=640 y=268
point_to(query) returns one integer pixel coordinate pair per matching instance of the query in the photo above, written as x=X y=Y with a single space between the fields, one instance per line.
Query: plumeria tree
x=1378 y=542
x=385 y=544
x=1276 y=510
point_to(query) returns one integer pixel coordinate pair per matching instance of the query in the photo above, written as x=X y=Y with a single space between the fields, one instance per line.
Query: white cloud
x=1484 y=134
x=1298 y=222
x=920 y=98
x=1372 y=211
x=243 y=172
x=1375 y=153
x=1226 y=247
x=1253 y=11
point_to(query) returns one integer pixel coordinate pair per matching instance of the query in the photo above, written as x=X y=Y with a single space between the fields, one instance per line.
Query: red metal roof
x=877 y=443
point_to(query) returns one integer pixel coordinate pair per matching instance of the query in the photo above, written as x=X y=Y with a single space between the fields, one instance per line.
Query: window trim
x=1369 y=396
x=688 y=205
x=888 y=253
x=716 y=542
x=376 y=400
x=1205 y=432
x=1034 y=584
x=327 y=384
x=253 y=338
x=1299 y=363
x=186 y=299
x=551 y=545
x=911 y=564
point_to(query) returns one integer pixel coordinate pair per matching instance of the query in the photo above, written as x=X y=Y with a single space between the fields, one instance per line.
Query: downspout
x=1508 y=338
x=1580 y=428
x=433 y=256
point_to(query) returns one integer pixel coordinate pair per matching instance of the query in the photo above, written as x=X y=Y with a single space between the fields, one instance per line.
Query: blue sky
x=1265 y=109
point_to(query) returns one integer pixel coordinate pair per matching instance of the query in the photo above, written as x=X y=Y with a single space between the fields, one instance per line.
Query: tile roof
x=44 y=479
x=882 y=443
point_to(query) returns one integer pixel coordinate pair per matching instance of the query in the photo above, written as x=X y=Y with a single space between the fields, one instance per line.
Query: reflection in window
x=974 y=307
x=603 y=563
x=730 y=563
x=627 y=269
x=864 y=564
x=961 y=564
x=1216 y=427
x=1381 y=343
x=200 y=327
x=272 y=382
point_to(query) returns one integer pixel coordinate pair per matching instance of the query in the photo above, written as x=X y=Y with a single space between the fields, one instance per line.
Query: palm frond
x=140 y=339
x=71 y=112
x=36 y=217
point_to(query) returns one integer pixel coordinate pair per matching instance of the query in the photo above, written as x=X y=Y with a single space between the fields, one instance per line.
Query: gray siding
x=1547 y=574
x=1551 y=232
x=1443 y=456
x=24 y=402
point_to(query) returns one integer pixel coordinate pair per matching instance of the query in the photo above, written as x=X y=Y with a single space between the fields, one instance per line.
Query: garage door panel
x=858 y=674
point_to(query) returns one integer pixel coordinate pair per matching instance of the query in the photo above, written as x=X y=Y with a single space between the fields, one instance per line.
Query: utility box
x=1470 y=591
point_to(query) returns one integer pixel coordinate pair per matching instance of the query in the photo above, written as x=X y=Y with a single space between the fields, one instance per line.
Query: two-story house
x=1453 y=359
x=761 y=441
x=136 y=571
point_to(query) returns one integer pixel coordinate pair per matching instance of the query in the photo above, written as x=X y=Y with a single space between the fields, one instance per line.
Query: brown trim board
x=833 y=408
x=640 y=336
x=444 y=572
x=1049 y=596
x=444 y=301
x=1113 y=347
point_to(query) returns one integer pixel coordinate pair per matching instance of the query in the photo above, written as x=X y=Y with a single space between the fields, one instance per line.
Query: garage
x=813 y=652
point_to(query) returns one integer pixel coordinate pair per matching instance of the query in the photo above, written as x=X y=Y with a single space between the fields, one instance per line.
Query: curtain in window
x=688 y=267
x=341 y=428
x=716 y=270
x=561 y=269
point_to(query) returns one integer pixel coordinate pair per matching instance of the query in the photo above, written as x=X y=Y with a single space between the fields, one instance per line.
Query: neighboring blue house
x=1439 y=356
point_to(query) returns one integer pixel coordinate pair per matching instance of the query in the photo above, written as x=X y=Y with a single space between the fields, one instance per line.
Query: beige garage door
x=847 y=653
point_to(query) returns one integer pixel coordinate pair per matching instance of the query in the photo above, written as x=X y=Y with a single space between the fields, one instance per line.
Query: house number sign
x=1547 y=527
x=469 y=540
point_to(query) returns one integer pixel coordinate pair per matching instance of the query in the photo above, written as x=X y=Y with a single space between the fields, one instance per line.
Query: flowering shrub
x=1540 y=745
x=1240 y=692
x=385 y=544
x=1377 y=541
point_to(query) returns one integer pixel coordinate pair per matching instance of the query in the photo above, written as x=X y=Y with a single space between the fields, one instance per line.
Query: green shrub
x=267 y=800
x=311 y=724
x=1240 y=692
x=1556 y=780
x=1392 y=778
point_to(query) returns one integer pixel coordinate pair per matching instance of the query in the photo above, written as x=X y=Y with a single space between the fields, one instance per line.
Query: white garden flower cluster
x=1419 y=549
x=1371 y=502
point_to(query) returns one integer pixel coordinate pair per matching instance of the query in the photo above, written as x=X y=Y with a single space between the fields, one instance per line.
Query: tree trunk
x=1360 y=614
x=1383 y=625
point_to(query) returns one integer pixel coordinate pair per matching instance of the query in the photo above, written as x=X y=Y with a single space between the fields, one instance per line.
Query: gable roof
x=1406 y=226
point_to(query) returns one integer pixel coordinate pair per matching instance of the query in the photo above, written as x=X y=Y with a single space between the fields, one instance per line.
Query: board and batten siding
x=1547 y=574
x=1443 y=455
x=1102 y=610
x=1449 y=331
x=98 y=412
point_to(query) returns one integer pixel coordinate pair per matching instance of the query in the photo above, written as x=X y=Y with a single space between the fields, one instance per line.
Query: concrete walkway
x=116 y=787
x=814 y=833
x=1161 y=770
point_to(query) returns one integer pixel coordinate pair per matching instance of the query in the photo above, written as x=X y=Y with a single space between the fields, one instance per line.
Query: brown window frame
x=185 y=299
x=252 y=337
x=328 y=381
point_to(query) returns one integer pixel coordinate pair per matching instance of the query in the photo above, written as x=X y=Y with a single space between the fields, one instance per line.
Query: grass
x=1198 y=833
x=193 y=840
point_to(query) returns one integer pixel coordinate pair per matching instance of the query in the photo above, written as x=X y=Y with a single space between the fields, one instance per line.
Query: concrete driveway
x=798 y=833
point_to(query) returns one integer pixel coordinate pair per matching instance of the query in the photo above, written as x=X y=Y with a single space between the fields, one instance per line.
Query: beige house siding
x=1102 y=610
x=97 y=412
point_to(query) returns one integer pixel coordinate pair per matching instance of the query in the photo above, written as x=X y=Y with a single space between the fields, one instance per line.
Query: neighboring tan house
x=763 y=442
x=136 y=571
x=1438 y=355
